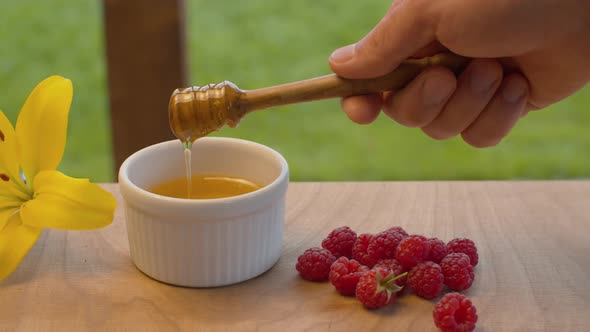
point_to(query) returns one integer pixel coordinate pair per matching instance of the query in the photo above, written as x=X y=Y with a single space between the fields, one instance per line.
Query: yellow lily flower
x=33 y=195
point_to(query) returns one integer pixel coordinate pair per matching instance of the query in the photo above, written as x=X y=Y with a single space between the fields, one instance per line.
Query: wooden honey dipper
x=195 y=112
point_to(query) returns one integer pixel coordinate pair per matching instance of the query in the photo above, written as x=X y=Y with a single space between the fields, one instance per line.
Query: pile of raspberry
x=375 y=268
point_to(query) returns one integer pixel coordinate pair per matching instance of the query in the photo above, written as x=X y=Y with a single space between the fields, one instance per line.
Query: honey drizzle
x=195 y=112
x=188 y=167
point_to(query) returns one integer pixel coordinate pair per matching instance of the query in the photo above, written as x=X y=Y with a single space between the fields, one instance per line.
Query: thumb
x=403 y=31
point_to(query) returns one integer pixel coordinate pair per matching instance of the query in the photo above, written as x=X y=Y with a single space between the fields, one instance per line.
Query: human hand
x=527 y=55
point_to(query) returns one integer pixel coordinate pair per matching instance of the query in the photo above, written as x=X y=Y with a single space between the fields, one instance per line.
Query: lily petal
x=64 y=202
x=16 y=239
x=42 y=124
x=10 y=182
x=8 y=156
x=5 y=214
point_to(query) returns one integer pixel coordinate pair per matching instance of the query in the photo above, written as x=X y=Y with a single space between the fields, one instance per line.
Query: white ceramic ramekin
x=209 y=242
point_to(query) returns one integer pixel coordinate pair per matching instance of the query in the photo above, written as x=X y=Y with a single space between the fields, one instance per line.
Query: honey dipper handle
x=333 y=86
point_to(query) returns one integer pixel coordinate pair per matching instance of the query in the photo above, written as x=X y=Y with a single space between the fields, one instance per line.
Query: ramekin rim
x=125 y=181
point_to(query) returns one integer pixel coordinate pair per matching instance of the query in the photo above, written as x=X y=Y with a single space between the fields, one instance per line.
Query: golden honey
x=206 y=187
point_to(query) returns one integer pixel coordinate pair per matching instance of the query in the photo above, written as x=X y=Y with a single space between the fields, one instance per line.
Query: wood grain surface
x=533 y=275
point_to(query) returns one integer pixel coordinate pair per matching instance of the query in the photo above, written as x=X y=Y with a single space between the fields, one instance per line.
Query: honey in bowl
x=206 y=187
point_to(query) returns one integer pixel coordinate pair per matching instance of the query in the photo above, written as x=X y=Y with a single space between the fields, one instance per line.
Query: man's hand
x=527 y=55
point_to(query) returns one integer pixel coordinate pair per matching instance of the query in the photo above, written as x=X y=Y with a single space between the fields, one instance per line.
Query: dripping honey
x=206 y=187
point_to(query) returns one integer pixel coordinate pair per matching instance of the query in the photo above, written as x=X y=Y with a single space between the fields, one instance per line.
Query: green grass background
x=258 y=43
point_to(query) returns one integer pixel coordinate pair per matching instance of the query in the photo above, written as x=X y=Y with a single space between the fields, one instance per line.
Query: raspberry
x=426 y=280
x=458 y=272
x=455 y=313
x=377 y=288
x=438 y=250
x=399 y=230
x=359 y=249
x=340 y=242
x=314 y=264
x=395 y=267
x=345 y=274
x=465 y=246
x=382 y=246
x=412 y=250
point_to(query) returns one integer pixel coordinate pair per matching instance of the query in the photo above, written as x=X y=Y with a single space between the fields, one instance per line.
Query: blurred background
x=257 y=43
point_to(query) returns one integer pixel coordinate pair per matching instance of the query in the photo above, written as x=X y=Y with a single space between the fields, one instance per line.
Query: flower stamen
x=4 y=177
x=1 y=136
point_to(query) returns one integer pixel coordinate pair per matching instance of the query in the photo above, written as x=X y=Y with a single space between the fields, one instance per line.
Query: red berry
x=377 y=288
x=383 y=246
x=394 y=266
x=465 y=246
x=426 y=280
x=314 y=264
x=458 y=272
x=438 y=250
x=359 y=249
x=345 y=275
x=340 y=242
x=455 y=313
x=412 y=250
x=399 y=230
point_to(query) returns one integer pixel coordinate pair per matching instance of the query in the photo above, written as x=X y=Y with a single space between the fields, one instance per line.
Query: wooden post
x=145 y=51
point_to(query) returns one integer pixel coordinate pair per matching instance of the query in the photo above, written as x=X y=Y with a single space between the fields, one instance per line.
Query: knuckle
x=412 y=118
x=415 y=122
x=407 y=114
x=450 y=30
x=420 y=6
x=438 y=134
x=491 y=67
x=372 y=47
x=479 y=141
x=447 y=36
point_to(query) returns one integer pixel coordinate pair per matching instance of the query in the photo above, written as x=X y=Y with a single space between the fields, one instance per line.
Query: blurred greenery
x=258 y=43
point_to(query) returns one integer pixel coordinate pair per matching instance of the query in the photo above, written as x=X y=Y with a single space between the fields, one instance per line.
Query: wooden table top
x=533 y=274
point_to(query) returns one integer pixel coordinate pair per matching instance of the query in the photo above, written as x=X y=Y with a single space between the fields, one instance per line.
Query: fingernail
x=482 y=79
x=342 y=54
x=513 y=91
x=436 y=90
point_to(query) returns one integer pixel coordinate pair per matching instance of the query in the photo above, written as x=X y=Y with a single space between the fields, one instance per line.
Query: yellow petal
x=42 y=124
x=10 y=182
x=67 y=203
x=8 y=156
x=16 y=239
x=5 y=214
